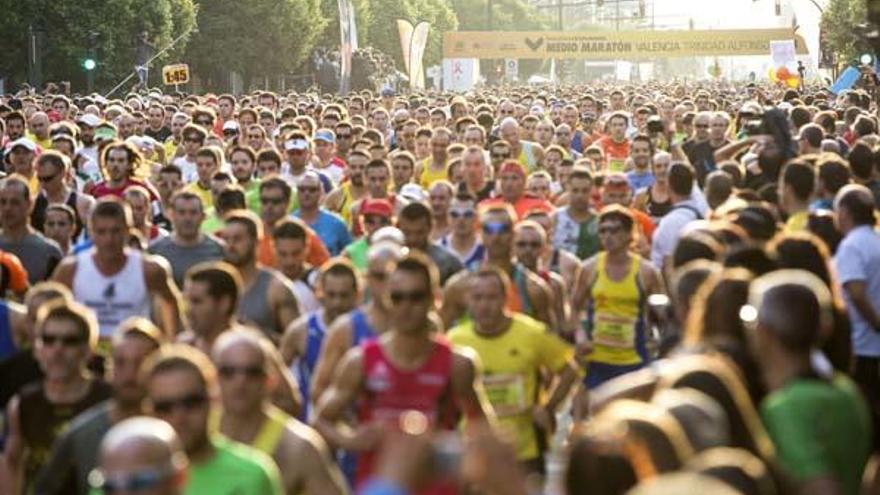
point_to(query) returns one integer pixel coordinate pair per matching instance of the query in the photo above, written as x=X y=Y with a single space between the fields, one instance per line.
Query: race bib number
x=616 y=164
x=614 y=331
x=506 y=393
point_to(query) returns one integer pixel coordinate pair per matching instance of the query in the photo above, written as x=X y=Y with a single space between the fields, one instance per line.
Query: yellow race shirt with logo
x=509 y=365
x=616 y=316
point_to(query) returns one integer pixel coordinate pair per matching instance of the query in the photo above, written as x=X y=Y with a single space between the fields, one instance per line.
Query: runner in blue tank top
x=12 y=317
x=338 y=292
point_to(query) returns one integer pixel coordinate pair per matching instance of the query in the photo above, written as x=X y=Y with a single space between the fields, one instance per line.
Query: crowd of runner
x=395 y=294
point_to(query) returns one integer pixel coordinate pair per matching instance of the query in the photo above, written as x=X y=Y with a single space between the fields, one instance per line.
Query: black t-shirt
x=702 y=157
x=161 y=135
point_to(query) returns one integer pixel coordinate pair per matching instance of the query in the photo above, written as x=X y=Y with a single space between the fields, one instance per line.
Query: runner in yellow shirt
x=513 y=350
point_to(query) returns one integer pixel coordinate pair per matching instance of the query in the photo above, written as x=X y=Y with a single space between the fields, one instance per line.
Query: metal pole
x=148 y=62
x=617 y=15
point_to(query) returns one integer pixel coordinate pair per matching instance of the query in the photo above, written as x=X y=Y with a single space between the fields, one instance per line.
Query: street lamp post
x=194 y=29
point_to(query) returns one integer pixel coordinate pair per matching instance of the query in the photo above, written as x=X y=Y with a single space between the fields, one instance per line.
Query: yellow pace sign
x=615 y=45
x=175 y=74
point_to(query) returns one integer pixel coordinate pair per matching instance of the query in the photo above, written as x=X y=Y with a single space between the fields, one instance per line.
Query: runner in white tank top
x=116 y=297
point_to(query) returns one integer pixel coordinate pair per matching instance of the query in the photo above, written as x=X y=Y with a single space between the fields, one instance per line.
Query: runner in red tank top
x=407 y=368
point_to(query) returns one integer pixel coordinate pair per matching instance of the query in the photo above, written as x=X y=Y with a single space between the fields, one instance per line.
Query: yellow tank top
x=616 y=316
x=526 y=157
x=430 y=176
x=270 y=433
x=345 y=207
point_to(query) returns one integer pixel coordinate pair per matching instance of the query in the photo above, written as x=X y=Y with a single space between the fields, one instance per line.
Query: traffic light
x=89 y=64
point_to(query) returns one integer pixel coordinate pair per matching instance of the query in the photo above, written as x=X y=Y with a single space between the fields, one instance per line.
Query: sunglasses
x=343 y=136
x=308 y=189
x=188 y=403
x=375 y=219
x=204 y=122
x=230 y=133
x=192 y=139
x=500 y=155
x=496 y=228
x=399 y=297
x=46 y=178
x=701 y=126
x=529 y=244
x=251 y=372
x=145 y=479
x=455 y=213
x=64 y=340
x=272 y=201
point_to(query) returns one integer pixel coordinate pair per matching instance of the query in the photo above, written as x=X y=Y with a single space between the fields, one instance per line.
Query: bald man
x=144 y=455
x=38 y=125
x=242 y=358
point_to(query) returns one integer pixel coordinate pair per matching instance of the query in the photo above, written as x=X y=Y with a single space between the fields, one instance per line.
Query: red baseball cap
x=512 y=167
x=379 y=207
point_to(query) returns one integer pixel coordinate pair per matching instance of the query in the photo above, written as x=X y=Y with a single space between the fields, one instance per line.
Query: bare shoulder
x=156 y=265
x=304 y=442
x=65 y=270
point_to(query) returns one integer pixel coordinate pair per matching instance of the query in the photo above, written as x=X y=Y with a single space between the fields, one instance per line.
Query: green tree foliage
x=256 y=38
x=838 y=22
x=67 y=24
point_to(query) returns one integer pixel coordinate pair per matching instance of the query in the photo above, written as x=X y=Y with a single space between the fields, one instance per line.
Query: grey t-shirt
x=447 y=263
x=182 y=258
x=75 y=453
x=39 y=255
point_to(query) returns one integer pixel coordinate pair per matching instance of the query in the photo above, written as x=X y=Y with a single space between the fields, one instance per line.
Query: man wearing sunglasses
x=181 y=382
x=140 y=455
x=363 y=323
x=52 y=170
x=529 y=294
x=193 y=137
x=514 y=350
x=615 y=285
x=67 y=335
x=243 y=364
x=462 y=240
x=74 y=454
x=529 y=245
x=408 y=368
x=327 y=225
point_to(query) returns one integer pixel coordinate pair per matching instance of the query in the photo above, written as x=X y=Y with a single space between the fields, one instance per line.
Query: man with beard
x=640 y=151
x=403 y=165
x=341 y=199
x=87 y=165
x=267 y=299
x=74 y=454
x=243 y=162
x=121 y=161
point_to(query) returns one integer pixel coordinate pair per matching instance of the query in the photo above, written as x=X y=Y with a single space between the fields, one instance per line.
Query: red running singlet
x=391 y=391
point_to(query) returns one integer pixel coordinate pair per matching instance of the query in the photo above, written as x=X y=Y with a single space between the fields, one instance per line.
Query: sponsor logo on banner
x=621 y=45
